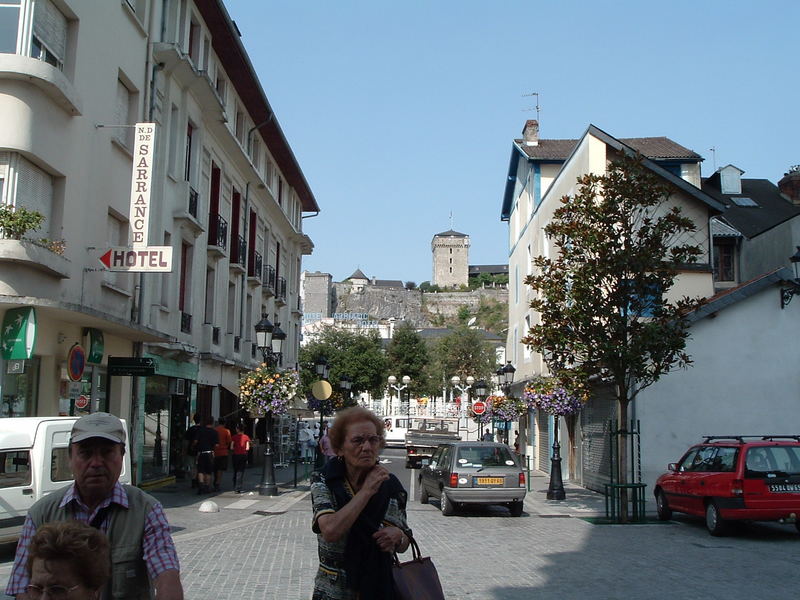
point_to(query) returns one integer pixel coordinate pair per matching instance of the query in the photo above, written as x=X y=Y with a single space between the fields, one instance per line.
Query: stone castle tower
x=450 y=259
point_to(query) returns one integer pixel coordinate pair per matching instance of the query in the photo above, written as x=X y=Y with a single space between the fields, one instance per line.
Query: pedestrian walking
x=305 y=443
x=240 y=446
x=325 y=444
x=190 y=456
x=359 y=513
x=143 y=558
x=221 y=452
x=207 y=439
x=488 y=436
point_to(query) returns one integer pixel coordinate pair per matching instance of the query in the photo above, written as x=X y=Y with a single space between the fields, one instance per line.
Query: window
x=194 y=42
x=49 y=40
x=211 y=284
x=239 y=126
x=9 y=26
x=124 y=112
x=60 y=469
x=28 y=186
x=219 y=85
x=117 y=235
x=174 y=142
x=16 y=469
x=724 y=260
x=187 y=170
x=166 y=277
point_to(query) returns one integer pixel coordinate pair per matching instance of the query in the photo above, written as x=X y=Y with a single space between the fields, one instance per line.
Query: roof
x=661 y=148
x=772 y=208
x=476 y=269
x=720 y=229
x=357 y=275
x=451 y=233
x=654 y=148
x=731 y=296
x=228 y=46
x=394 y=283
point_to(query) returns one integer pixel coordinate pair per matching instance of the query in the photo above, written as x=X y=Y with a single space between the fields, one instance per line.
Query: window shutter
x=35 y=192
x=50 y=26
x=121 y=110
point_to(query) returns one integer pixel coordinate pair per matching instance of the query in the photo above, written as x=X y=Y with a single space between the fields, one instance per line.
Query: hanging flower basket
x=267 y=390
x=507 y=408
x=547 y=395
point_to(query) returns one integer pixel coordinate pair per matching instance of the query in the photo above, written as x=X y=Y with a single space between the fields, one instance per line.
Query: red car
x=734 y=478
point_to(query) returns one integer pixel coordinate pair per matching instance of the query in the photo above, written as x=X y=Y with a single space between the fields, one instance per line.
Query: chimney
x=530 y=133
x=790 y=184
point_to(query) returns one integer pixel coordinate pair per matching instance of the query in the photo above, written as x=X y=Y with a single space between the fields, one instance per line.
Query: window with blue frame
x=644 y=298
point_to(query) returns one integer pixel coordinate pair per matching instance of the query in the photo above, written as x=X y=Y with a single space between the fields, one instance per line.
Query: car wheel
x=662 y=507
x=516 y=509
x=446 y=505
x=423 y=495
x=715 y=524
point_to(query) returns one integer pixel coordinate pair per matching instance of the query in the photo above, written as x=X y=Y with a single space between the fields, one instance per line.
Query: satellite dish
x=471 y=322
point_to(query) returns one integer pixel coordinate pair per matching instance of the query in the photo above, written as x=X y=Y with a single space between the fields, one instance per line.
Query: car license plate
x=489 y=480
x=785 y=488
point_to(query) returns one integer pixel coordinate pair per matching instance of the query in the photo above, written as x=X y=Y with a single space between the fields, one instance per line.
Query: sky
x=402 y=113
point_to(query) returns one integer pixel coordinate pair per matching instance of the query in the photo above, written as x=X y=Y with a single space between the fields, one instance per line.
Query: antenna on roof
x=713 y=151
x=537 y=103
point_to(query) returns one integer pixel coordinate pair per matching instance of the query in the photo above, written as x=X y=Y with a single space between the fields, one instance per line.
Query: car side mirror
x=672 y=466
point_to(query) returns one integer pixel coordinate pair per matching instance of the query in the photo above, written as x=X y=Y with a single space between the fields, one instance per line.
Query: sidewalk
x=579 y=502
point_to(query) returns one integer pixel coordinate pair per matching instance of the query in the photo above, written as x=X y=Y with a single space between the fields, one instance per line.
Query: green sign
x=19 y=333
x=95 y=345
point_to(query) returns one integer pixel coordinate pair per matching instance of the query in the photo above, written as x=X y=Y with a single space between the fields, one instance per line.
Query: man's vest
x=129 y=579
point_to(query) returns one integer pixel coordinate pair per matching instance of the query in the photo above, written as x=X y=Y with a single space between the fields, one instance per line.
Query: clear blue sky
x=401 y=112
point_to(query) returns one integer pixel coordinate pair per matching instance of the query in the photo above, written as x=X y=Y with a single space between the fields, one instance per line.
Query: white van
x=395 y=430
x=34 y=461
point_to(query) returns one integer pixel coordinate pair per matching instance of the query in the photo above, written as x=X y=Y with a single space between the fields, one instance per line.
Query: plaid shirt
x=158 y=549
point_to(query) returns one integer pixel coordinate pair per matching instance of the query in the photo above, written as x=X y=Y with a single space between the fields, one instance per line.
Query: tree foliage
x=407 y=354
x=358 y=355
x=463 y=352
x=603 y=298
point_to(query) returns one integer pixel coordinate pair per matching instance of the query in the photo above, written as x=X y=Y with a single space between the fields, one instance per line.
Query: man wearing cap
x=142 y=551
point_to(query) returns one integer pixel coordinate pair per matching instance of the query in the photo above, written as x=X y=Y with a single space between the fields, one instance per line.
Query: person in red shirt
x=221 y=452
x=240 y=444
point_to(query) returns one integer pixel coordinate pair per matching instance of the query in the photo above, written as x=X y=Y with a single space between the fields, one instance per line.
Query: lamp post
x=505 y=377
x=455 y=381
x=788 y=292
x=269 y=339
x=481 y=391
x=345 y=383
x=322 y=369
x=393 y=384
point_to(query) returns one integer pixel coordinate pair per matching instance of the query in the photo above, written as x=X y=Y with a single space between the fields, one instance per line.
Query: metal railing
x=239 y=251
x=280 y=290
x=217 y=231
x=193 y=197
x=268 y=280
x=186 y=322
x=254 y=268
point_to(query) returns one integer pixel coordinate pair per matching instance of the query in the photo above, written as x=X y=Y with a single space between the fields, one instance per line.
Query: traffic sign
x=131 y=366
x=81 y=402
x=146 y=259
x=479 y=407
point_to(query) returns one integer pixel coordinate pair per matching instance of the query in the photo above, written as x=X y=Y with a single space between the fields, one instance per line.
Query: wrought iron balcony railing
x=217 y=231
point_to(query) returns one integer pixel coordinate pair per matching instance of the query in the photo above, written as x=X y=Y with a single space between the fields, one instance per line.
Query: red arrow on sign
x=479 y=407
x=106 y=259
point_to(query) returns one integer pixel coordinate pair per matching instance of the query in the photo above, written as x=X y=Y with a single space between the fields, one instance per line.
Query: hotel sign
x=141 y=183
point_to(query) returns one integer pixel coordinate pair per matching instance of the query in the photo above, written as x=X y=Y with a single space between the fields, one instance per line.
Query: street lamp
x=321 y=368
x=505 y=377
x=788 y=292
x=455 y=380
x=345 y=383
x=265 y=340
x=393 y=384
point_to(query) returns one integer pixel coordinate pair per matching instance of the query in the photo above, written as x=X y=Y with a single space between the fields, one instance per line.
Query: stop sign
x=479 y=407
x=81 y=402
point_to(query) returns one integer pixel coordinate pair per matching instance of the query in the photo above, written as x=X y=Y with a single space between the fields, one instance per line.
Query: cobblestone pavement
x=263 y=548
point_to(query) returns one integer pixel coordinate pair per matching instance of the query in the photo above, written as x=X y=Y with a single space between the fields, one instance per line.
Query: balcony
x=23 y=253
x=268 y=281
x=217 y=235
x=254 y=270
x=280 y=291
x=297 y=307
x=238 y=254
x=187 y=211
x=186 y=322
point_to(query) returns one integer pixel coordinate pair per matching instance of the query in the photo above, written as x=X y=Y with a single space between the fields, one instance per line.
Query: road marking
x=240 y=504
x=412 y=484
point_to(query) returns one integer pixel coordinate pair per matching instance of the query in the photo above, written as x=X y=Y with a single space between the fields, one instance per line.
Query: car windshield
x=484 y=456
x=772 y=461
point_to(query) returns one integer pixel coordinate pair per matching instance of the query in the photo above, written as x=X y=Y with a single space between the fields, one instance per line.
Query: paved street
x=257 y=548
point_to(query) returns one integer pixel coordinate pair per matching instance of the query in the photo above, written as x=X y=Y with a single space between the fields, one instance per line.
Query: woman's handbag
x=416 y=579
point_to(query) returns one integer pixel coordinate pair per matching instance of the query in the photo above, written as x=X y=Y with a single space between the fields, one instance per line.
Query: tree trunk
x=622 y=451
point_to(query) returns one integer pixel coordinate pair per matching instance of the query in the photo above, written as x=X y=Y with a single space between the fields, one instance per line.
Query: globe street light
x=321 y=368
x=393 y=384
x=455 y=380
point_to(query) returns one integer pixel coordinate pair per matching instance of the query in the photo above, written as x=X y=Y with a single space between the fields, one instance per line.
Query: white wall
x=745 y=380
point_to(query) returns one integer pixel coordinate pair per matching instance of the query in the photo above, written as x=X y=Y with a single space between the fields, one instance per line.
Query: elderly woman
x=67 y=560
x=359 y=513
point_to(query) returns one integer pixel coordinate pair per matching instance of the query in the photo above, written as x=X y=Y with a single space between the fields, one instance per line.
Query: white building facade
x=227 y=196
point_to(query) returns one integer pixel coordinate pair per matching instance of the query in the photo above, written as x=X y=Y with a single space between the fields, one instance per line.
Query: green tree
x=463 y=352
x=407 y=354
x=356 y=354
x=603 y=299
x=492 y=315
x=463 y=314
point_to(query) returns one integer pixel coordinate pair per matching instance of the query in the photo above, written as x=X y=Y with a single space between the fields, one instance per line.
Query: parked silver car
x=473 y=473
